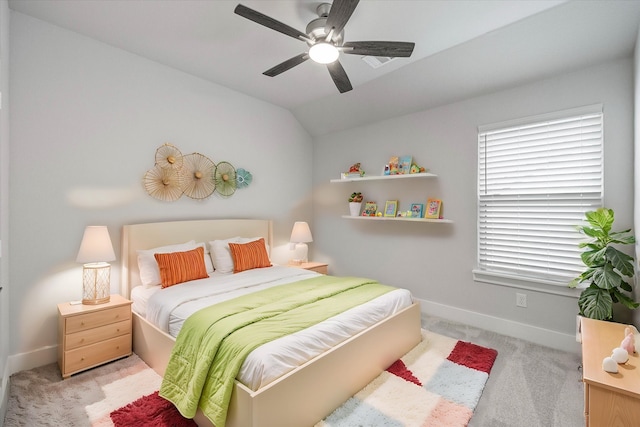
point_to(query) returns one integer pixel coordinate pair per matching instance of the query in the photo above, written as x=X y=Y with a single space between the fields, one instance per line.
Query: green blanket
x=214 y=341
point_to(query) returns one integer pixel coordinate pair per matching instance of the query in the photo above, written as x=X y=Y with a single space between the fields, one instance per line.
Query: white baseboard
x=534 y=334
x=32 y=359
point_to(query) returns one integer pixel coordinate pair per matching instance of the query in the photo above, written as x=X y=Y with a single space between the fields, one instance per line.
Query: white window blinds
x=535 y=182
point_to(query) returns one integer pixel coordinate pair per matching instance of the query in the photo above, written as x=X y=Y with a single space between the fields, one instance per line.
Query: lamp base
x=301 y=253
x=95 y=283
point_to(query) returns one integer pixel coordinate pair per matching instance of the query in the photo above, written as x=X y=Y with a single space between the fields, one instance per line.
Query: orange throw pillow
x=180 y=267
x=247 y=256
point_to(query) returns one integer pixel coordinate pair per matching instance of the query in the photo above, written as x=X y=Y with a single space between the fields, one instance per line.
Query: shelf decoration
x=390 y=208
x=194 y=175
x=354 y=172
x=434 y=209
x=370 y=209
x=403 y=165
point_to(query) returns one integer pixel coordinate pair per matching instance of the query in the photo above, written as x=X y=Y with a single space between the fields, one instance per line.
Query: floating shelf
x=381 y=177
x=397 y=218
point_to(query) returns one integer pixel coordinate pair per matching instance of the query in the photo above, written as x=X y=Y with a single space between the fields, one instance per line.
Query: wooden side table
x=318 y=267
x=609 y=399
x=90 y=335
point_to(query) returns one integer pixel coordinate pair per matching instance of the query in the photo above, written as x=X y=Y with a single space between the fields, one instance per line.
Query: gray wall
x=4 y=206
x=86 y=121
x=435 y=261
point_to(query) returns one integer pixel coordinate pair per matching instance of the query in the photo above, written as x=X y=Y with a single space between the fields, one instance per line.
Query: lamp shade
x=96 y=245
x=301 y=233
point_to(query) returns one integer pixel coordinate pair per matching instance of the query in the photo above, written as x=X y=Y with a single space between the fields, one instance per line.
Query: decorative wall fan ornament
x=243 y=178
x=324 y=36
x=192 y=174
x=163 y=183
x=225 y=178
x=198 y=176
x=168 y=156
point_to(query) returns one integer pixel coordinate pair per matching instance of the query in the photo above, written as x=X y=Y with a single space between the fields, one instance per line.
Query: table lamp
x=95 y=251
x=300 y=235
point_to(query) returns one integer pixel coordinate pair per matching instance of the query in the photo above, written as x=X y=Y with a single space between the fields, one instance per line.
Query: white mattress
x=168 y=309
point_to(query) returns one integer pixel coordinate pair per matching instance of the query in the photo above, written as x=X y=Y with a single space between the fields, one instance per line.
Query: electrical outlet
x=521 y=300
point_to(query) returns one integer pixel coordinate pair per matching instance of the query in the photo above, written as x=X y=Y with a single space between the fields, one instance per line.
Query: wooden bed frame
x=301 y=397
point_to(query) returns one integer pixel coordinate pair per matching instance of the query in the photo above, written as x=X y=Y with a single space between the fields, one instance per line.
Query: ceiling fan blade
x=339 y=14
x=339 y=77
x=269 y=22
x=391 y=49
x=286 y=65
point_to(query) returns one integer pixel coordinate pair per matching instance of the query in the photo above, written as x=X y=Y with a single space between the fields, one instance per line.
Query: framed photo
x=370 y=209
x=417 y=210
x=393 y=165
x=434 y=208
x=390 y=208
x=404 y=165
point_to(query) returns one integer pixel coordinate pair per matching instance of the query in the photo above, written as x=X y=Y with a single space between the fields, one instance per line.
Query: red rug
x=150 y=411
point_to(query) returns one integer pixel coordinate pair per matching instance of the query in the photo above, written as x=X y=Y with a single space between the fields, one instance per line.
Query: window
x=536 y=179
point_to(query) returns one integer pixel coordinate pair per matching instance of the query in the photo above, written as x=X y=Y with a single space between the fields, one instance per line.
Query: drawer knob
x=118 y=330
x=82 y=340
x=82 y=359
x=81 y=323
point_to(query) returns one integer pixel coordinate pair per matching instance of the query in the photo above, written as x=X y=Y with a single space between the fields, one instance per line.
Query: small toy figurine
x=354 y=168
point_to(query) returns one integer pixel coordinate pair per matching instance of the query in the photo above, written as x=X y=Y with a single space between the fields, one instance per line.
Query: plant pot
x=354 y=208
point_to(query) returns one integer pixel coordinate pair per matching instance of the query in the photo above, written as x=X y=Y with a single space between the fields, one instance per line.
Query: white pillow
x=148 y=267
x=207 y=256
x=221 y=254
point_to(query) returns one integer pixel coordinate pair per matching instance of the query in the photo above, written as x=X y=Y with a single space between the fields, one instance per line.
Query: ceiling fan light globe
x=323 y=53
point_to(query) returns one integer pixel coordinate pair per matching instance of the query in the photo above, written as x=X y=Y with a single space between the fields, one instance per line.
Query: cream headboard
x=147 y=236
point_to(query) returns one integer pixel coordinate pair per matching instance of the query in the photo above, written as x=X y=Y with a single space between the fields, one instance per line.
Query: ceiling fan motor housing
x=316 y=28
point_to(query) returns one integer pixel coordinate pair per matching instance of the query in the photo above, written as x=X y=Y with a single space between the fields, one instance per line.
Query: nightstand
x=90 y=335
x=318 y=267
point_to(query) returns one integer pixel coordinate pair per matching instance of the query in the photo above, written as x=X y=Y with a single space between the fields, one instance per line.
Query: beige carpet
x=529 y=385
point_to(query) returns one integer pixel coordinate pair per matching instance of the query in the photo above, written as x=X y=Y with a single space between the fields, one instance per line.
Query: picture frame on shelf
x=390 y=208
x=370 y=209
x=404 y=165
x=394 y=165
x=434 y=209
x=417 y=210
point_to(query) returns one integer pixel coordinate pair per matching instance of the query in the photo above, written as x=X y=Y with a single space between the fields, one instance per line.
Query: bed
x=303 y=395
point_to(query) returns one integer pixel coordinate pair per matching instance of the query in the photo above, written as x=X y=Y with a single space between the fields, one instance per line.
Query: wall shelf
x=381 y=177
x=397 y=218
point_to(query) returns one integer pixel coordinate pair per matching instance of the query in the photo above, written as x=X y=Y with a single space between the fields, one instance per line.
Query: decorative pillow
x=221 y=255
x=247 y=256
x=180 y=267
x=148 y=267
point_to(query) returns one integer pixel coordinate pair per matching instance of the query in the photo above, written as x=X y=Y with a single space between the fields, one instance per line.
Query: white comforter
x=168 y=309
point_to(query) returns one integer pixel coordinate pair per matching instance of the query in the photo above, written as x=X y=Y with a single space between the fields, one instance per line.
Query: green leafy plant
x=355 y=197
x=606 y=267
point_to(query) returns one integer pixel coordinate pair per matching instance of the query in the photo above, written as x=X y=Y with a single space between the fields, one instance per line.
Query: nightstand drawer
x=96 y=354
x=98 y=334
x=98 y=318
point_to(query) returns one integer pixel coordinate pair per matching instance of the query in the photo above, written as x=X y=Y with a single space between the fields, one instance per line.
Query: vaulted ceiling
x=462 y=48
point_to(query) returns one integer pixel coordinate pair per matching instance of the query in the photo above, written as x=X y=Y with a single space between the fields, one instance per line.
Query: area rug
x=438 y=383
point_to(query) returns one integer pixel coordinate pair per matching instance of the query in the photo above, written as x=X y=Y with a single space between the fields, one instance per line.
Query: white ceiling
x=463 y=48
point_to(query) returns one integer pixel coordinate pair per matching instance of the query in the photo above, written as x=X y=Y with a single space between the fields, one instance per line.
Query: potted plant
x=606 y=267
x=355 y=203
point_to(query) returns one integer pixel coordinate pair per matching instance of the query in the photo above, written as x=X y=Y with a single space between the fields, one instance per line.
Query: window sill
x=547 y=287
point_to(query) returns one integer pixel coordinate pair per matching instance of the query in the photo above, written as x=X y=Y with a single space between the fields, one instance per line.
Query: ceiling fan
x=324 y=36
